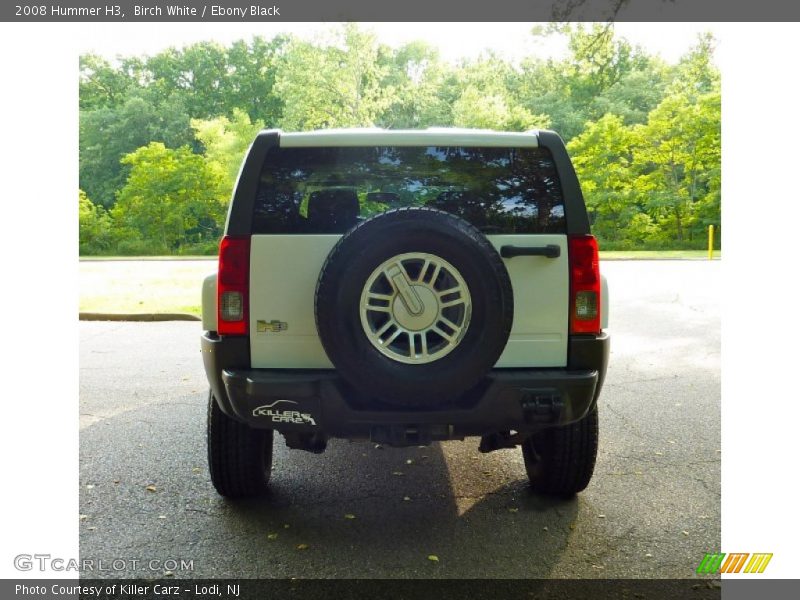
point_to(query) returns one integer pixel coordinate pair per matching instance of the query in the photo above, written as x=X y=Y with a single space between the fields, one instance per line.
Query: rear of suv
x=406 y=287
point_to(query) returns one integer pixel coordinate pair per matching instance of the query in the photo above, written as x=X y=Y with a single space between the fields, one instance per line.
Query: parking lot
x=652 y=509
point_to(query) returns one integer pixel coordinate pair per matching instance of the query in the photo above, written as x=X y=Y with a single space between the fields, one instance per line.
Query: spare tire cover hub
x=415 y=308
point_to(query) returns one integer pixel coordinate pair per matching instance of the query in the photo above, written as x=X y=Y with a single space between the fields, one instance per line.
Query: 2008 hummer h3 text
x=406 y=287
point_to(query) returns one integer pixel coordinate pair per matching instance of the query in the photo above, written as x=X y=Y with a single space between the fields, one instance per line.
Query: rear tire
x=239 y=457
x=560 y=460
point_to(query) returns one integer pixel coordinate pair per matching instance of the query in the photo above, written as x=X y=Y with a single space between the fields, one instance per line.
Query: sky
x=454 y=40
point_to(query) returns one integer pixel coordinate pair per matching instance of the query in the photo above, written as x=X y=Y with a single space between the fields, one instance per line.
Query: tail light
x=233 y=285
x=584 y=285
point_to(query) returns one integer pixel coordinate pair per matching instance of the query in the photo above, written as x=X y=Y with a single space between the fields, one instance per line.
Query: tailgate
x=283 y=279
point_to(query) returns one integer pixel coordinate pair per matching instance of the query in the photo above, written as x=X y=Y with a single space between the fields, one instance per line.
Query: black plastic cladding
x=574 y=206
x=240 y=213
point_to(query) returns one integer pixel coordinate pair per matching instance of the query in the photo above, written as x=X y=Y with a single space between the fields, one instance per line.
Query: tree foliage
x=336 y=85
x=162 y=137
x=225 y=142
x=94 y=225
x=170 y=196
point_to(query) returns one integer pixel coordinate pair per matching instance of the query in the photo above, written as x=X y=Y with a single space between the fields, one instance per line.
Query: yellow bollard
x=710 y=242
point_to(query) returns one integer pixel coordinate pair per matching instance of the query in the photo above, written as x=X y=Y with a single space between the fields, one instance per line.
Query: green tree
x=601 y=74
x=102 y=85
x=108 y=134
x=677 y=157
x=603 y=156
x=598 y=59
x=339 y=85
x=644 y=135
x=172 y=196
x=417 y=76
x=94 y=225
x=225 y=141
x=476 y=108
x=696 y=74
x=252 y=68
x=198 y=76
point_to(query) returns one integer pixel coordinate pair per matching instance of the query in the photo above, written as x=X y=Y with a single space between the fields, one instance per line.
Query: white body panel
x=283 y=278
x=209 y=305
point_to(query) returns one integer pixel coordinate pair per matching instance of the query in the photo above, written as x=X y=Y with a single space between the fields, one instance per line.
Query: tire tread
x=560 y=461
x=239 y=457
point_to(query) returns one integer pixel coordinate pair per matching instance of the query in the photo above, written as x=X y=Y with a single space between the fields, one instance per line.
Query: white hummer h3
x=406 y=287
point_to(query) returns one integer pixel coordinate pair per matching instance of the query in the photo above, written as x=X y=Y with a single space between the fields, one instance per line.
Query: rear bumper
x=319 y=401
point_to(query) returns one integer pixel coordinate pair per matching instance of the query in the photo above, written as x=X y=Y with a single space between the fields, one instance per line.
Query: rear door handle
x=549 y=251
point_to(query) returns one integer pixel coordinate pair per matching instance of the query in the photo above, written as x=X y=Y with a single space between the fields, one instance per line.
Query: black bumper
x=318 y=401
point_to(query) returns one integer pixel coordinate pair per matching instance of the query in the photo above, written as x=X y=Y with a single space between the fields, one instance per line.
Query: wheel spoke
x=383 y=309
x=457 y=289
x=411 y=352
x=435 y=274
x=449 y=323
x=425 y=265
x=392 y=337
x=405 y=273
x=446 y=336
x=424 y=344
x=454 y=302
x=377 y=296
x=384 y=328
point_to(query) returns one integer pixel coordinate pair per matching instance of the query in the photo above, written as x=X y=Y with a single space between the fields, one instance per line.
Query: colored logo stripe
x=710 y=563
x=758 y=562
x=734 y=563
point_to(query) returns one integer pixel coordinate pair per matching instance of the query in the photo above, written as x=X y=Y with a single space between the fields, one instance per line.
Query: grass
x=144 y=286
x=173 y=284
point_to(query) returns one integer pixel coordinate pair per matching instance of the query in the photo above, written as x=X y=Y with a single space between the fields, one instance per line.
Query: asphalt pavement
x=652 y=509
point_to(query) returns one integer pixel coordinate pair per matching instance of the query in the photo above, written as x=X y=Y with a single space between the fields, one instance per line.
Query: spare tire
x=413 y=307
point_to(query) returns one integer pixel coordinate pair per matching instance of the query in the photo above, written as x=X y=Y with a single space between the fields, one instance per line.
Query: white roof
x=434 y=136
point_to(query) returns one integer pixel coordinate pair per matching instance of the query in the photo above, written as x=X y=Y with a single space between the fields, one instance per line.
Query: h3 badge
x=273 y=326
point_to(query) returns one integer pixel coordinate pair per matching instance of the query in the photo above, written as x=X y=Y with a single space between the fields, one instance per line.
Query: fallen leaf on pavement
x=151 y=488
x=433 y=558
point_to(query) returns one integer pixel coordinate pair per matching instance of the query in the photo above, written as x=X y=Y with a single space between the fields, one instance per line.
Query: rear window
x=328 y=190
